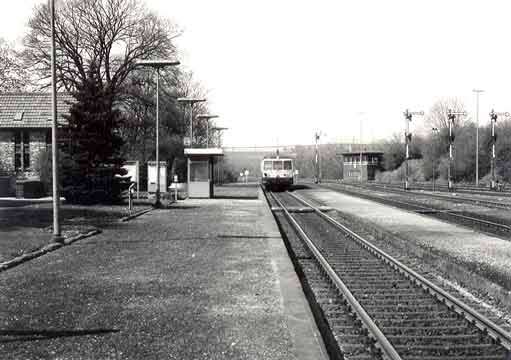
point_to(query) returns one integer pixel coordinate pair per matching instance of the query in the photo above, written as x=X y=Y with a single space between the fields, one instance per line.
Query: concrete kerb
x=137 y=214
x=54 y=246
x=46 y=249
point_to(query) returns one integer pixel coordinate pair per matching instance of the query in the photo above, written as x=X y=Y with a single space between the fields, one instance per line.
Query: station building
x=361 y=165
x=25 y=132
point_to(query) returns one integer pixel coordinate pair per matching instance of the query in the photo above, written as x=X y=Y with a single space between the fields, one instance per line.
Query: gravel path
x=197 y=281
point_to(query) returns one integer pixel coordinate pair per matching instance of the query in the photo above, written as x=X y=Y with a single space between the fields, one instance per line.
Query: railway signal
x=451 y=117
x=433 y=165
x=408 y=139
x=493 y=118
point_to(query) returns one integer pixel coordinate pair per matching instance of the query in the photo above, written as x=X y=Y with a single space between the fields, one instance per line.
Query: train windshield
x=288 y=165
x=267 y=165
x=277 y=165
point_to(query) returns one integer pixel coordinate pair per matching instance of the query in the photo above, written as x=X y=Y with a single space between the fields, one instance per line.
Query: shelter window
x=288 y=165
x=199 y=171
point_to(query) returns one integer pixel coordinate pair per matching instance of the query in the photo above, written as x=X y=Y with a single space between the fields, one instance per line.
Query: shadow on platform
x=235 y=197
x=8 y=336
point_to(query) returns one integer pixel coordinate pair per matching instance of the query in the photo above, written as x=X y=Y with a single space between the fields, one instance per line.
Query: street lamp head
x=477 y=90
x=220 y=128
x=157 y=63
x=190 y=100
x=206 y=116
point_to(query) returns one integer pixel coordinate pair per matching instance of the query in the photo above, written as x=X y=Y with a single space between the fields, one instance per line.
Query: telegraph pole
x=493 y=118
x=408 y=139
x=451 y=116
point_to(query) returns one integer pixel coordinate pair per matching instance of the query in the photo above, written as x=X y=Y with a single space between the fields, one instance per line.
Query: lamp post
x=219 y=130
x=477 y=92
x=435 y=130
x=207 y=117
x=57 y=237
x=157 y=64
x=318 y=166
x=191 y=101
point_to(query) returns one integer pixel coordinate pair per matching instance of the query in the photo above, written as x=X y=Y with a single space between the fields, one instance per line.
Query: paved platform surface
x=206 y=279
x=457 y=241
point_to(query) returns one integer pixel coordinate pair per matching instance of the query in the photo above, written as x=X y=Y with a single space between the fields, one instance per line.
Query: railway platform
x=203 y=279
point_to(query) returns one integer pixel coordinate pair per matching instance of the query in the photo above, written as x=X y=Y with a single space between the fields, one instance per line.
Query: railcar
x=277 y=173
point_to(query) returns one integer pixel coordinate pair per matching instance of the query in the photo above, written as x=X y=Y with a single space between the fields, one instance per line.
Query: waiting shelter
x=201 y=162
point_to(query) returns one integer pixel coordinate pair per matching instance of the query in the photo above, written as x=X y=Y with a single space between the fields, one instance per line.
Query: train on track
x=277 y=173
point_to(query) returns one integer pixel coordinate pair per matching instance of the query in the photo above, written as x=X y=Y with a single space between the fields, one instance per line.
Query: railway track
x=478 y=222
x=458 y=188
x=375 y=306
x=441 y=196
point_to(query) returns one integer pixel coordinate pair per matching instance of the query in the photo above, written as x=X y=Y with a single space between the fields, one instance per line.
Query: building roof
x=31 y=110
x=362 y=152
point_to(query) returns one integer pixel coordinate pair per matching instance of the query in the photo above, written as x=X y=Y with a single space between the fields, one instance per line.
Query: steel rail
x=479 y=320
x=381 y=341
x=447 y=196
x=428 y=209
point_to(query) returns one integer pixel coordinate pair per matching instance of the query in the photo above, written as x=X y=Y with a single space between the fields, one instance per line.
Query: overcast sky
x=279 y=70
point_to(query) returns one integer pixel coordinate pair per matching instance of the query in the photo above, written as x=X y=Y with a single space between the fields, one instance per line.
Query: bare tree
x=437 y=115
x=13 y=76
x=111 y=34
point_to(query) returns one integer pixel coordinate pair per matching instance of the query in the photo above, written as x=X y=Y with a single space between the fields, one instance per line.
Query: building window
x=21 y=150
x=48 y=140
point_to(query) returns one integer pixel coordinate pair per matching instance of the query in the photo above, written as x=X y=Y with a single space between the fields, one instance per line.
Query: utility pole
x=408 y=139
x=451 y=117
x=318 y=158
x=477 y=92
x=493 y=118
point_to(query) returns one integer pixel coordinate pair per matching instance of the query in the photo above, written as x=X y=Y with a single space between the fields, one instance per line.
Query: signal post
x=408 y=139
x=493 y=118
x=451 y=116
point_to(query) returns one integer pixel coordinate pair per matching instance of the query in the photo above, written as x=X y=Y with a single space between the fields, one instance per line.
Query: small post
x=130 y=197
x=175 y=188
